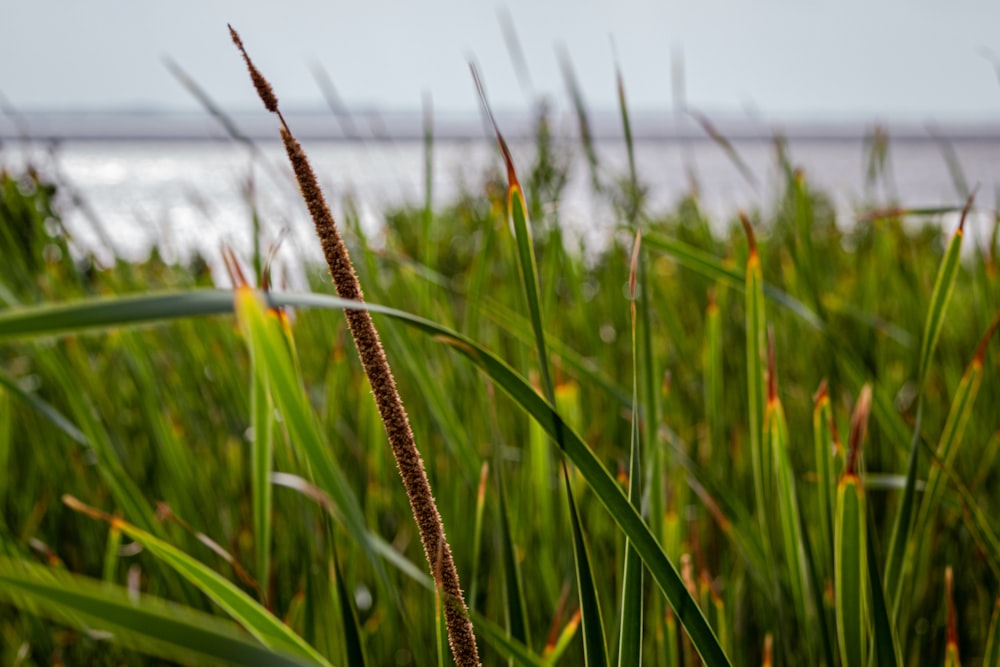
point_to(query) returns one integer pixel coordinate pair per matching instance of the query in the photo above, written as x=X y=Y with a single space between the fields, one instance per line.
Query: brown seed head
x=267 y=95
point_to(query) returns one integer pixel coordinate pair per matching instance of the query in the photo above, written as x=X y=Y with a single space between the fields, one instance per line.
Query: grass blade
x=630 y=623
x=851 y=550
x=594 y=647
x=259 y=622
x=145 y=623
x=944 y=285
x=991 y=654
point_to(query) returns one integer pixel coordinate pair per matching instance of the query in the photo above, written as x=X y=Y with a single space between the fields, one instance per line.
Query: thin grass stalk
x=825 y=447
x=951 y=656
x=760 y=458
x=397 y=426
x=991 y=654
x=902 y=529
x=630 y=625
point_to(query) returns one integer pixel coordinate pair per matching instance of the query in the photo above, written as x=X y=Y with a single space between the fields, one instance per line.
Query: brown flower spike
x=390 y=406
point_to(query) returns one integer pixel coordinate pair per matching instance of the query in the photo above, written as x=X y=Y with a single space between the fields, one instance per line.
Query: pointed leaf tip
x=822 y=393
x=749 y=232
x=634 y=267
x=967 y=208
x=772 y=375
x=985 y=341
x=859 y=428
x=508 y=160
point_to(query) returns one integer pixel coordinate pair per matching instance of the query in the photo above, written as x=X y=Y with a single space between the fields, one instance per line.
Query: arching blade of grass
x=45 y=409
x=630 y=623
x=953 y=431
x=851 y=550
x=902 y=529
x=241 y=607
x=145 y=623
x=48 y=320
x=262 y=418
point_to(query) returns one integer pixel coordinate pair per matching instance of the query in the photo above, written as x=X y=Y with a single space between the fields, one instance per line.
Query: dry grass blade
x=390 y=405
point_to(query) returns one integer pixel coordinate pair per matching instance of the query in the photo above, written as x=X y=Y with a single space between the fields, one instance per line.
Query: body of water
x=186 y=194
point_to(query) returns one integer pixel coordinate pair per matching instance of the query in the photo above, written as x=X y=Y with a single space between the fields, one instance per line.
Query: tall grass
x=179 y=484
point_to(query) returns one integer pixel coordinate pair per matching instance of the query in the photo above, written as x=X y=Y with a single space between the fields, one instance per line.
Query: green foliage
x=745 y=487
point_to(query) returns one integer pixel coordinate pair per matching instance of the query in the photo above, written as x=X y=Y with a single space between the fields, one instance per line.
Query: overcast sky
x=914 y=59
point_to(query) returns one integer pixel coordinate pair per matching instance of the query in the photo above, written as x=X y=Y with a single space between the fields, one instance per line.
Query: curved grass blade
x=43 y=408
x=145 y=623
x=902 y=529
x=953 y=431
x=120 y=311
x=259 y=622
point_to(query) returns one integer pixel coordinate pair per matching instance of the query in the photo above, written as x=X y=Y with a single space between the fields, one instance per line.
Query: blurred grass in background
x=159 y=424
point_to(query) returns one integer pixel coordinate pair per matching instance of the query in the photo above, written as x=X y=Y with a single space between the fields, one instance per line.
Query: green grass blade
x=43 y=408
x=760 y=456
x=825 y=447
x=145 y=623
x=850 y=547
x=850 y=580
x=594 y=647
x=953 y=432
x=517 y=211
x=259 y=622
x=902 y=529
x=630 y=623
x=274 y=361
x=262 y=454
x=517 y=615
x=884 y=641
x=353 y=646
x=991 y=654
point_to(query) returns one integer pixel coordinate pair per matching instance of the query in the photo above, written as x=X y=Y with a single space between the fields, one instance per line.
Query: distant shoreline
x=368 y=126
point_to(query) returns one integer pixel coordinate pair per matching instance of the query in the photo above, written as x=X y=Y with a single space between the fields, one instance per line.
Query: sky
x=877 y=59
